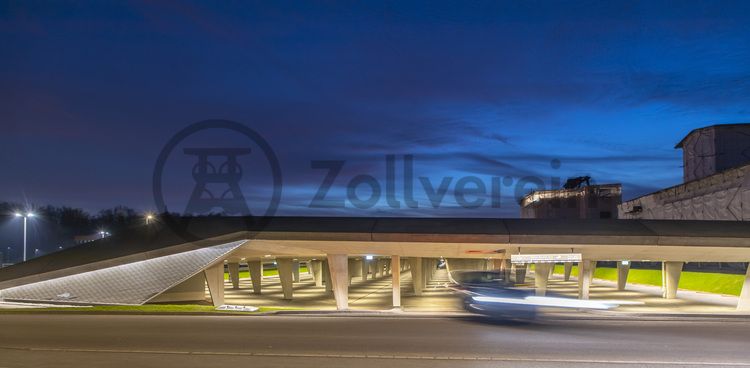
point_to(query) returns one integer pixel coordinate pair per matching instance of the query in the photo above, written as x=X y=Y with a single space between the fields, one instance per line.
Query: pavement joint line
x=377 y=356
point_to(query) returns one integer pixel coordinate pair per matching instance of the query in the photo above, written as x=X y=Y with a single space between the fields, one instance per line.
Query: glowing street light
x=149 y=217
x=25 y=218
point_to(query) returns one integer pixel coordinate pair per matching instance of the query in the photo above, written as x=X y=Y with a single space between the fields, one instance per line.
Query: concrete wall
x=193 y=289
x=711 y=150
x=724 y=196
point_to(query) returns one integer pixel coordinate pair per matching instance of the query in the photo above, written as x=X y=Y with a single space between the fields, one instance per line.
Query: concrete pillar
x=585 y=276
x=387 y=266
x=507 y=268
x=541 y=277
x=309 y=269
x=622 y=275
x=327 y=277
x=317 y=271
x=663 y=280
x=552 y=270
x=568 y=269
x=373 y=268
x=672 y=278
x=351 y=265
x=215 y=280
x=416 y=274
x=295 y=271
x=521 y=273
x=357 y=268
x=339 y=270
x=256 y=274
x=234 y=274
x=284 y=265
x=744 y=303
x=365 y=268
x=497 y=264
x=377 y=272
x=396 y=277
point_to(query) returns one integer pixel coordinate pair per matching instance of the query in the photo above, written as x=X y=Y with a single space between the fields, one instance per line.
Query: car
x=491 y=294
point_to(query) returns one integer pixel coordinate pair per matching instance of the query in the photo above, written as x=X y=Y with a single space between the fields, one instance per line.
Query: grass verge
x=272 y=272
x=717 y=283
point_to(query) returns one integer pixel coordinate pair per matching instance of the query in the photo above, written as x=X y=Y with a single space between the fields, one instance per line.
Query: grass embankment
x=717 y=283
x=272 y=272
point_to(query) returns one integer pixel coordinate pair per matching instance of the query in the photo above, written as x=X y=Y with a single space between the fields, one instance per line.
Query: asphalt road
x=39 y=340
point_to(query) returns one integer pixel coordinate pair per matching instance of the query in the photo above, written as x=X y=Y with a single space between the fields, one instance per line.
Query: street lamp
x=149 y=217
x=25 y=218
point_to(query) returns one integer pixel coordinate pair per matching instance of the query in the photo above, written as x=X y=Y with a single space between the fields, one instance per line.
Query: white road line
x=377 y=356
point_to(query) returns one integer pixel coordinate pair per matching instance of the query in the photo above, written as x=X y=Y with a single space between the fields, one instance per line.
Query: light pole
x=149 y=217
x=25 y=218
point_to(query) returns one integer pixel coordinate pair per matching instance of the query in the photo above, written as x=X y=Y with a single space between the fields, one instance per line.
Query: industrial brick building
x=578 y=199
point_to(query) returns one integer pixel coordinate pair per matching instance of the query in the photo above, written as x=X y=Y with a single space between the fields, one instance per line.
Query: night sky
x=90 y=93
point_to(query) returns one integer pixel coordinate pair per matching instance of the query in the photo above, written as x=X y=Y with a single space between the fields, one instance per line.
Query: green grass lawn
x=273 y=272
x=718 y=283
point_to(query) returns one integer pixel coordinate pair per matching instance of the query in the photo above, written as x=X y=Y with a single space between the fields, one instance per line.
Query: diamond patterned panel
x=129 y=284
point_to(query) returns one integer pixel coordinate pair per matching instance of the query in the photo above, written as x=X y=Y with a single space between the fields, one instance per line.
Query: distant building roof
x=682 y=141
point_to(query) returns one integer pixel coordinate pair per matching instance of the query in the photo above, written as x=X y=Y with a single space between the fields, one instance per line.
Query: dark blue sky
x=90 y=92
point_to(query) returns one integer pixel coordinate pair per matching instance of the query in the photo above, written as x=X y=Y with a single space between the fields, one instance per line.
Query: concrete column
x=327 y=277
x=234 y=274
x=663 y=279
x=427 y=273
x=373 y=268
x=568 y=269
x=256 y=274
x=396 y=277
x=317 y=270
x=521 y=273
x=387 y=266
x=497 y=264
x=672 y=278
x=622 y=275
x=552 y=270
x=284 y=265
x=309 y=269
x=295 y=271
x=585 y=276
x=377 y=272
x=416 y=274
x=365 y=268
x=541 y=277
x=507 y=268
x=339 y=270
x=351 y=265
x=357 y=268
x=744 y=303
x=215 y=280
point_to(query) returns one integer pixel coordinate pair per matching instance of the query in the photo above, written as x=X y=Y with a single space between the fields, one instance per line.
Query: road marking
x=377 y=356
